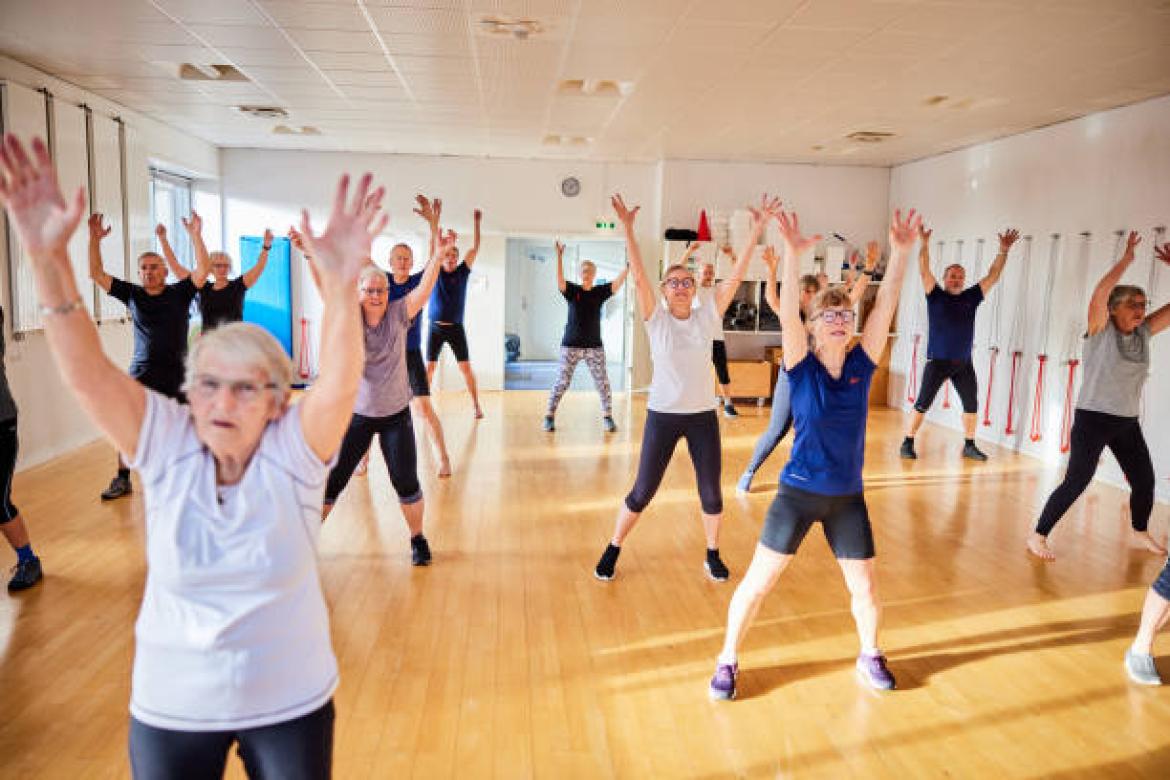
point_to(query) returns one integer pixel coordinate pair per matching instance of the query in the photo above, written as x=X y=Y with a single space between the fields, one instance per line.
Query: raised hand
x=771 y=259
x=625 y=214
x=1163 y=253
x=769 y=208
x=1007 y=238
x=268 y=236
x=905 y=231
x=560 y=249
x=96 y=231
x=160 y=230
x=1130 y=245
x=297 y=239
x=194 y=225
x=478 y=216
x=30 y=192
x=794 y=241
x=430 y=211
x=873 y=253
x=924 y=234
x=343 y=248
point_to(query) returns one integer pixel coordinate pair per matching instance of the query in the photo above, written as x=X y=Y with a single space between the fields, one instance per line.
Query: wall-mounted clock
x=570 y=187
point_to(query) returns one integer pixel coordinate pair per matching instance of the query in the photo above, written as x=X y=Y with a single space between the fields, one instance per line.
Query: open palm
x=794 y=240
x=1163 y=253
x=341 y=250
x=905 y=231
x=624 y=212
x=30 y=192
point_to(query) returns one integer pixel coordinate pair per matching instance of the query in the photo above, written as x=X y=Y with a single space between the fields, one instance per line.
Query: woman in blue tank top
x=822 y=481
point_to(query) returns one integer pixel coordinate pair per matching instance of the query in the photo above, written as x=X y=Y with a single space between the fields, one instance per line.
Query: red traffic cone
x=704 y=228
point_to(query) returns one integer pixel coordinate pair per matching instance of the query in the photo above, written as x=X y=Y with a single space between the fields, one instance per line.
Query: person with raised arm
x=233 y=644
x=950 y=310
x=718 y=344
x=582 y=338
x=161 y=314
x=445 y=314
x=822 y=482
x=680 y=405
x=1116 y=365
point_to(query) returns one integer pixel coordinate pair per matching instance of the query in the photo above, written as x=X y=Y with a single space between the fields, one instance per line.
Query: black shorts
x=961 y=373
x=416 y=373
x=446 y=333
x=845 y=520
x=166 y=380
x=8 y=448
x=719 y=358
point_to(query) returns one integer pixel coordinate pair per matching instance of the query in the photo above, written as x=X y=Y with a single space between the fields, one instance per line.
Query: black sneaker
x=715 y=567
x=610 y=425
x=119 y=486
x=971 y=452
x=420 y=551
x=25 y=574
x=729 y=410
x=549 y=425
x=908 y=450
x=605 y=566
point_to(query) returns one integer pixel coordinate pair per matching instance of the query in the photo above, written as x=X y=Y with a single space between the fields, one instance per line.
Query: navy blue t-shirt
x=160 y=323
x=396 y=291
x=449 y=295
x=829 y=416
x=219 y=307
x=952 y=322
x=583 y=328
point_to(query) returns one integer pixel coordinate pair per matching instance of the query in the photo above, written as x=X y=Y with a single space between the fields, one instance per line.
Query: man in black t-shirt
x=222 y=300
x=582 y=339
x=160 y=313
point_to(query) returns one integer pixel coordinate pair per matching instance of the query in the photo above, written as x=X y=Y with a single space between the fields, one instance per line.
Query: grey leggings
x=594 y=358
x=778 y=423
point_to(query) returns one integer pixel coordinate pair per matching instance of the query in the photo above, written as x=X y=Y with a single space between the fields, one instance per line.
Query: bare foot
x=1143 y=540
x=1038 y=546
x=445 y=468
x=478 y=413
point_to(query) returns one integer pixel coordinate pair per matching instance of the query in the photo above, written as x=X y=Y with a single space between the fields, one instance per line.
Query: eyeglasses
x=834 y=316
x=205 y=388
x=677 y=283
x=375 y=290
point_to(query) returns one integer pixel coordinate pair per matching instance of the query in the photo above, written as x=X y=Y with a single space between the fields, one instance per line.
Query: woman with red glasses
x=680 y=405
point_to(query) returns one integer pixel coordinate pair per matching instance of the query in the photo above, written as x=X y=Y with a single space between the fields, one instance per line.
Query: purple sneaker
x=873 y=672
x=723 y=683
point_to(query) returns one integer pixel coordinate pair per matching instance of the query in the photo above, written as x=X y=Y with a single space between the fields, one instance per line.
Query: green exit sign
x=603 y=225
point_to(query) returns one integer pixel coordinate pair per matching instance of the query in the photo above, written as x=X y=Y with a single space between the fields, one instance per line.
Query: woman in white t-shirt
x=681 y=404
x=233 y=639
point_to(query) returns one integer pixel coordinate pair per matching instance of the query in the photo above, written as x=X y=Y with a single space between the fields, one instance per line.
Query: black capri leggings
x=1091 y=433
x=396 y=437
x=298 y=749
x=719 y=358
x=659 y=438
x=962 y=376
x=8 y=448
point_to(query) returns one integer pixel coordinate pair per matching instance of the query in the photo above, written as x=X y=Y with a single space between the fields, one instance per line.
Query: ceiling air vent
x=263 y=112
x=201 y=72
x=869 y=136
x=510 y=27
x=595 y=88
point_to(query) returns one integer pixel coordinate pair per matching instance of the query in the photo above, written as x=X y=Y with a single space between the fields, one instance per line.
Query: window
x=170 y=203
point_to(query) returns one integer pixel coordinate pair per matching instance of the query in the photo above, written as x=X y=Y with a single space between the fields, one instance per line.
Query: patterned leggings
x=594 y=357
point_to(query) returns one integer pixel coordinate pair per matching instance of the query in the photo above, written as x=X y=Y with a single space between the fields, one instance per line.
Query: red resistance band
x=1012 y=392
x=1066 y=422
x=912 y=392
x=304 y=367
x=1038 y=401
x=993 y=353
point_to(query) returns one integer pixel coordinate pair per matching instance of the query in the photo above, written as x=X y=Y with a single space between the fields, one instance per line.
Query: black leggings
x=298 y=749
x=8 y=447
x=1091 y=433
x=962 y=376
x=659 y=438
x=396 y=437
x=719 y=358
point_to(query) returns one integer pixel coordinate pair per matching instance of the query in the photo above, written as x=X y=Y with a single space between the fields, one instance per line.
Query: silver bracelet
x=64 y=308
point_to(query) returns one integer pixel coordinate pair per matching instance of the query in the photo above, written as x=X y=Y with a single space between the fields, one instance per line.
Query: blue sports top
x=396 y=291
x=449 y=295
x=951 y=322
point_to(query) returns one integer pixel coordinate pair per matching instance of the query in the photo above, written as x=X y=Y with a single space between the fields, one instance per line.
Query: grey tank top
x=1116 y=366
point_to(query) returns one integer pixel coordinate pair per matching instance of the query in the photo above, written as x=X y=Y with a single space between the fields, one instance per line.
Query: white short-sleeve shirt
x=681 y=352
x=233 y=632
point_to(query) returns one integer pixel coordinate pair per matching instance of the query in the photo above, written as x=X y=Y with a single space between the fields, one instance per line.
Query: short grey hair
x=1122 y=293
x=245 y=345
x=369 y=272
x=222 y=257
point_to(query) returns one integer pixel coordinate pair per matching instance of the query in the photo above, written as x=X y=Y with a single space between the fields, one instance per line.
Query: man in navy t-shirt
x=445 y=312
x=950 y=312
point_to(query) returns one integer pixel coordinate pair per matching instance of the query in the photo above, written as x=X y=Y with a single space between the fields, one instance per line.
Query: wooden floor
x=507 y=659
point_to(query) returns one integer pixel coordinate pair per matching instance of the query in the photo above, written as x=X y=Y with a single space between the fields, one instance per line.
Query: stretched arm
x=619 y=280
x=431 y=211
x=473 y=253
x=29 y=190
x=793 y=335
x=690 y=250
x=194 y=227
x=1160 y=319
x=771 y=260
x=646 y=295
x=725 y=292
x=928 y=280
x=1006 y=239
x=338 y=256
x=560 y=266
x=97 y=270
x=173 y=265
x=1099 y=300
x=253 y=275
x=903 y=233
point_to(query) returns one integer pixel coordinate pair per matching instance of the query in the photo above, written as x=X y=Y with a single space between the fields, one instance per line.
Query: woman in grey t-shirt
x=1116 y=364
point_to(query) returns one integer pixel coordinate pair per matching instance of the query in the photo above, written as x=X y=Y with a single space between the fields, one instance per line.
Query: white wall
x=51 y=421
x=1102 y=173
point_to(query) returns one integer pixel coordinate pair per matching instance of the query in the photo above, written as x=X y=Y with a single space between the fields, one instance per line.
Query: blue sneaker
x=745 y=482
x=873 y=672
x=723 y=683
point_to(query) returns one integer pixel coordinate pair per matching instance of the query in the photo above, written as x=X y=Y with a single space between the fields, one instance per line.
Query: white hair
x=369 y=272
x=222 y=257
x=246 y=345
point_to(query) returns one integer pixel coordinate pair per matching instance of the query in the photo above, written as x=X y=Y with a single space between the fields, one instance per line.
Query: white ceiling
x=713 y=79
